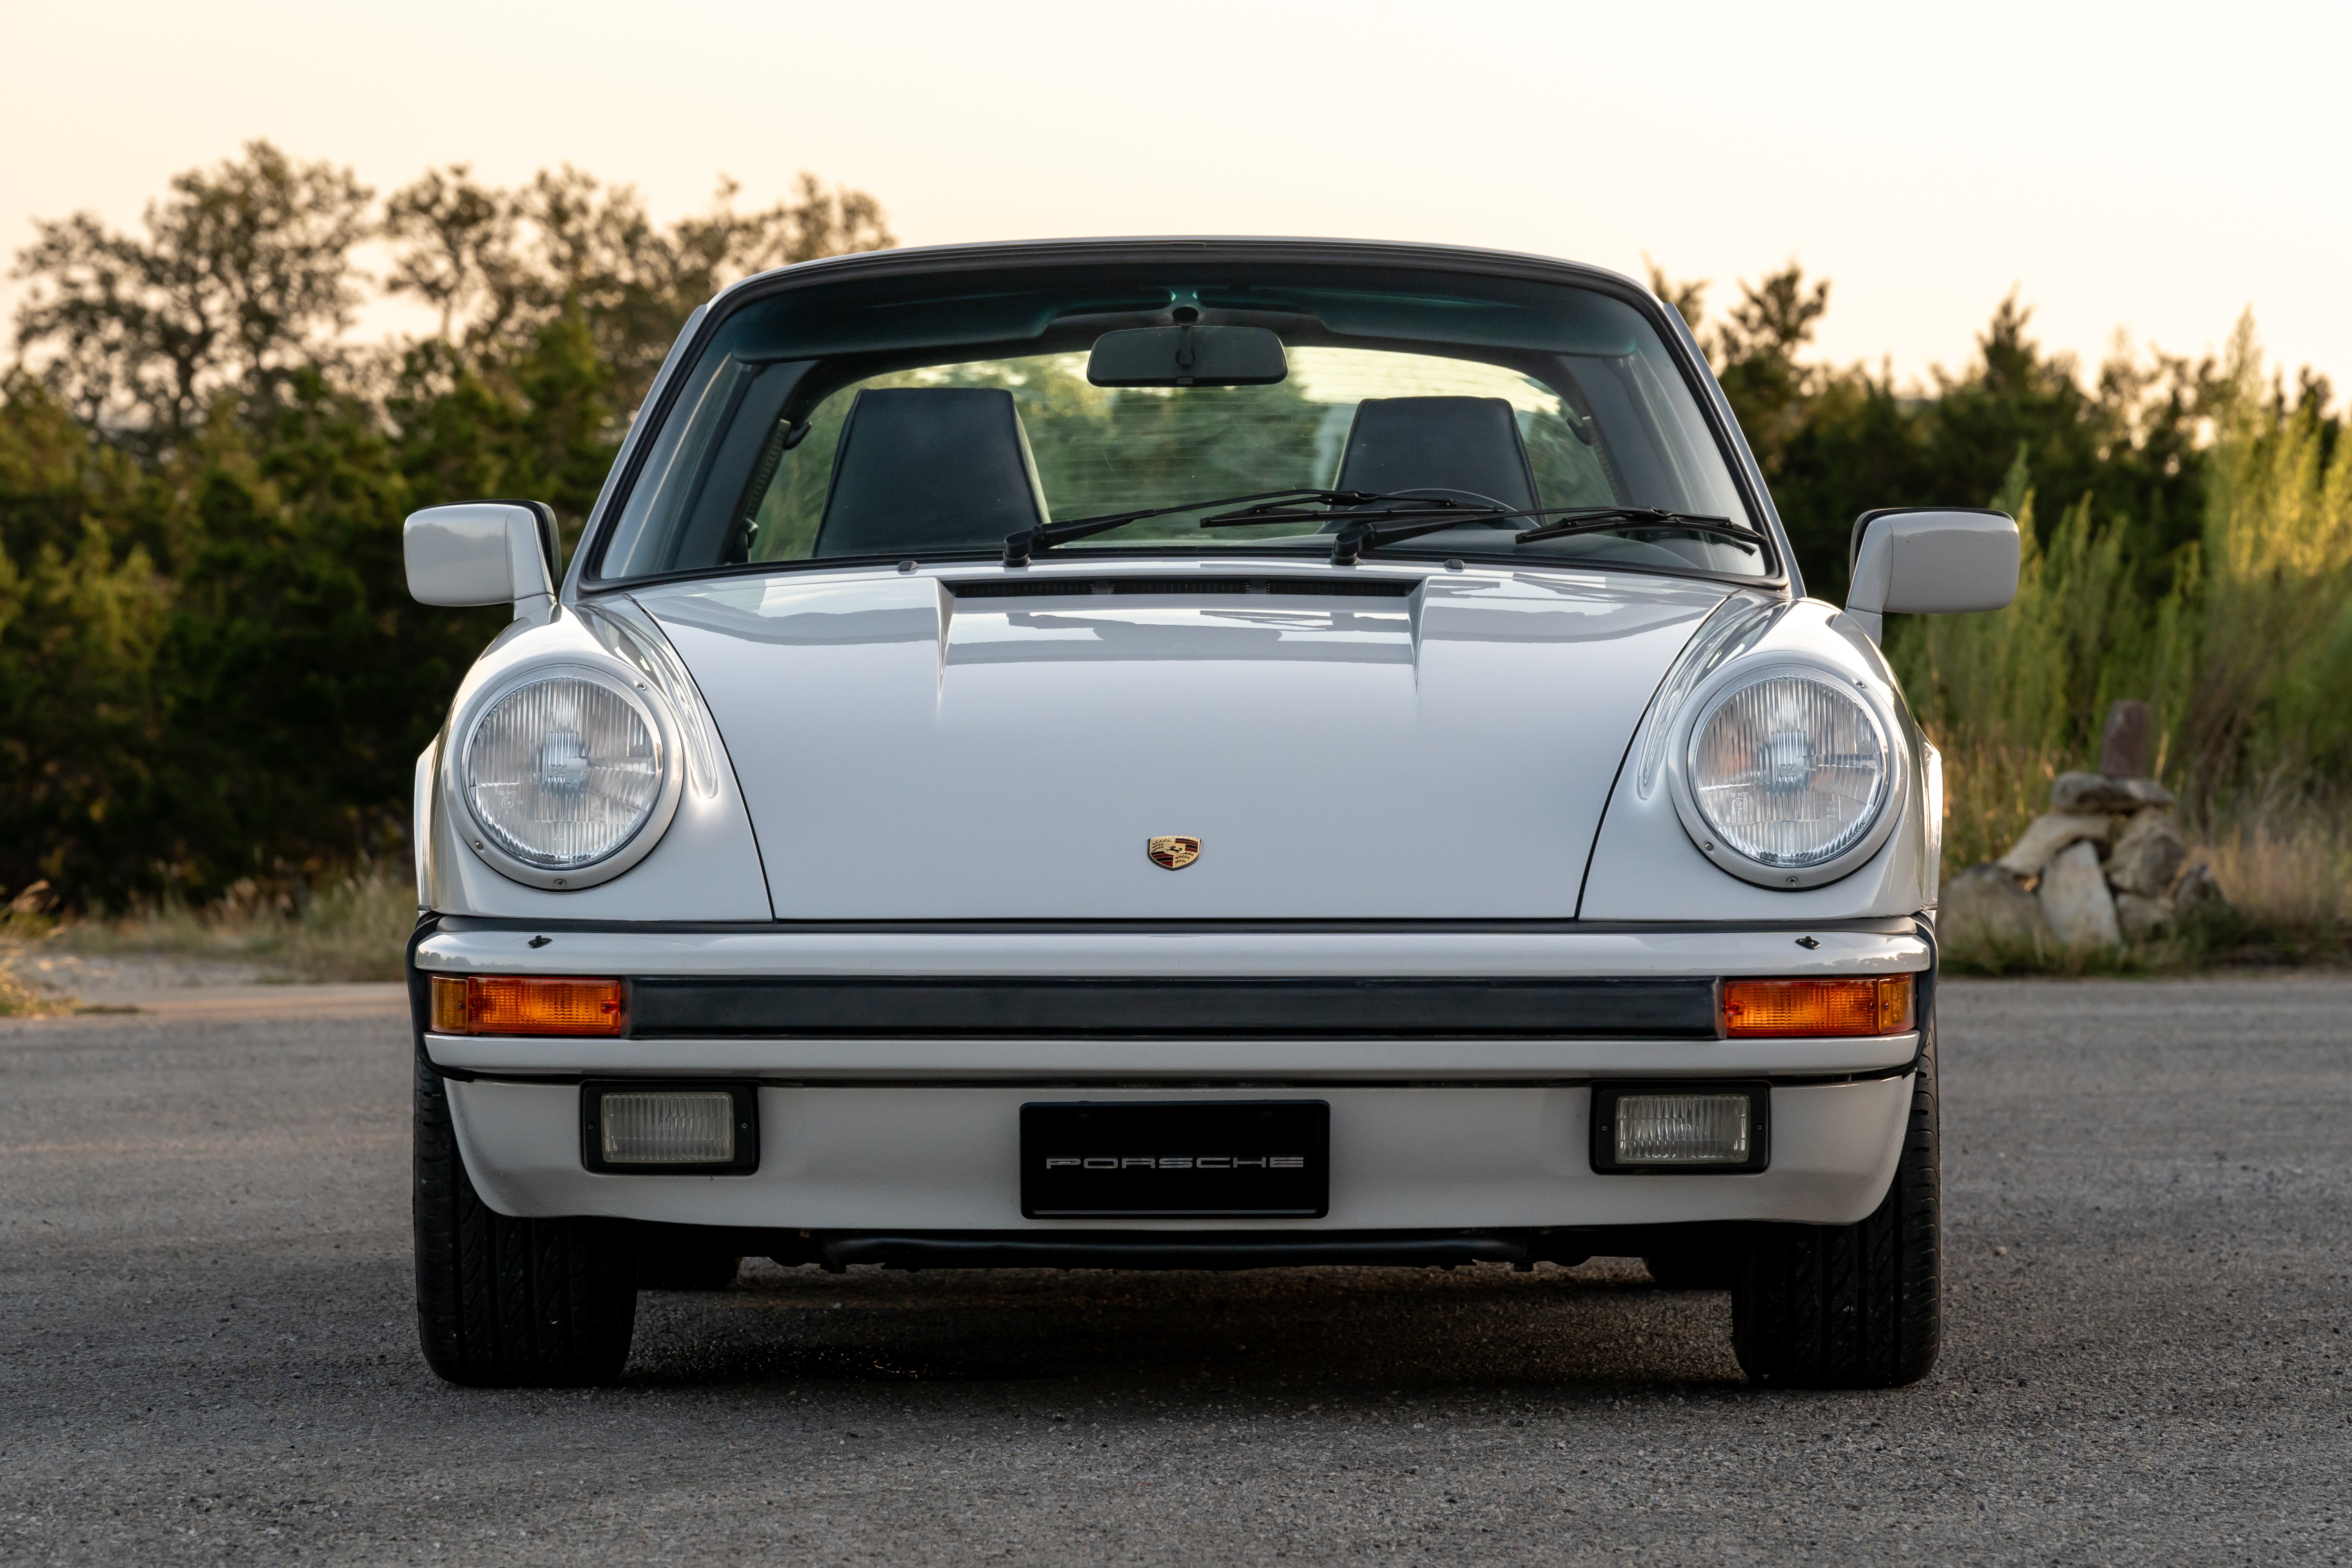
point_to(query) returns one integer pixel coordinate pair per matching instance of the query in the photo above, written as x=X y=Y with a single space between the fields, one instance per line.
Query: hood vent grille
x=1058 y=587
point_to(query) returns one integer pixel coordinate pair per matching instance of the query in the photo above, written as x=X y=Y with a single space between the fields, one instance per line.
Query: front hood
x=906 y=753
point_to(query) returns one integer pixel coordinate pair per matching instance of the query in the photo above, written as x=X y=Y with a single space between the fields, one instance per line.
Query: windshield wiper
x=1417 y=515
x=1020 y=547
x=1354 y=541
x=1402 y=517
x=1435 y=516
x=1398 y=526
x=1606 y=519
x=1396 y=505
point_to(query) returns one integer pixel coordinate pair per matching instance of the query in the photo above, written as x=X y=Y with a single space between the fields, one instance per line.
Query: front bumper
x=881 y=1129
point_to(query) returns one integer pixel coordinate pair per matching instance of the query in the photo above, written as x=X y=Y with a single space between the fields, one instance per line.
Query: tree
x=210 y=667
x=1835 y=441
x=556 y=302
x=82 y=612
x=243 y=277
x=454 y=248
x=500 y=267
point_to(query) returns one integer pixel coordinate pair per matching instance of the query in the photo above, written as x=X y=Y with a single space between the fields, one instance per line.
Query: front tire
x=504 y=1302
x=1852 y=1305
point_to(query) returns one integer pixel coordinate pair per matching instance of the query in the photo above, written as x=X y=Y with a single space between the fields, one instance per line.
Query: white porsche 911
x=1180 y=755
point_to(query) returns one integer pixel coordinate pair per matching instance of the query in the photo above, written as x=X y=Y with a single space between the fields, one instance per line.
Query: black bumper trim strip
x=1031 y=1008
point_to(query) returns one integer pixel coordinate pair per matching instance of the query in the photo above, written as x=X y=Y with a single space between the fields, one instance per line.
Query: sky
x=2150 y=169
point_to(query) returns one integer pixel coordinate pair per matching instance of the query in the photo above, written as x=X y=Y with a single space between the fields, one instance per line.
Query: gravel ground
x=207 y=1352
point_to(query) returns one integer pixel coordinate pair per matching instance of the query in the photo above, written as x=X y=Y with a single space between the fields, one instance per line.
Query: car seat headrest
x=1461 y=448
x=929 y=466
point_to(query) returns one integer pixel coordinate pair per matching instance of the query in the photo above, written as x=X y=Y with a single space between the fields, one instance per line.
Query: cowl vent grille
x=1086 y=587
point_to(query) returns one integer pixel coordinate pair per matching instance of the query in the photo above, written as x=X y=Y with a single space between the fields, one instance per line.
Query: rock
x=2148 y=855
x=2140 y=918
x=2123 y=747
x=2075 y=902
x=2047 y=835
x=2074 y=793
x=2198 y=892
x=1984 y=907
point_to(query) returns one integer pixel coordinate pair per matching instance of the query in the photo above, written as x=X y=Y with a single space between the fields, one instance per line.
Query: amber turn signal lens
x=527 y=1005
x=1879 y=1005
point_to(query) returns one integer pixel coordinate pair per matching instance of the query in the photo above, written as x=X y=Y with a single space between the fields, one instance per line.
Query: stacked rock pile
x=2106 y=864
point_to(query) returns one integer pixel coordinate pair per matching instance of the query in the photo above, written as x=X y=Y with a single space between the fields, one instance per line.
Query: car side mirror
x=481 y=553
x=1930 y=561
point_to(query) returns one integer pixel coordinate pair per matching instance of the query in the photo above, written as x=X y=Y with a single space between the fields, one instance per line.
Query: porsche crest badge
x=1175 y=852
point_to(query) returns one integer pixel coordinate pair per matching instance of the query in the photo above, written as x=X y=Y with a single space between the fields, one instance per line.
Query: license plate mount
x=1223 y=1159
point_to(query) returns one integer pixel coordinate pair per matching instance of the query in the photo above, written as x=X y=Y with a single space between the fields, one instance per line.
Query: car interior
x=944 y=467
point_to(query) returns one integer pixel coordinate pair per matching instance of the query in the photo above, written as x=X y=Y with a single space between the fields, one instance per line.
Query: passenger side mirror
x=1187 y=356
x=482 y=552
x=1928 y=561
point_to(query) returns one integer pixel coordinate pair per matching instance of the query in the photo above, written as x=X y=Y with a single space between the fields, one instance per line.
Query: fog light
x=528 y=1004
x=1698 y=1127
x=670 y=1129
x=1681 y=1129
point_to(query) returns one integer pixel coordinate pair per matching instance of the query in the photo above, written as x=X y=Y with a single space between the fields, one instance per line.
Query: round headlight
x=1790 y=771
x=562 y=772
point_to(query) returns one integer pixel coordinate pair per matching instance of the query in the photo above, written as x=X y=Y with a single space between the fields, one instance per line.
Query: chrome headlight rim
x=1729 y=683
x=458 y=800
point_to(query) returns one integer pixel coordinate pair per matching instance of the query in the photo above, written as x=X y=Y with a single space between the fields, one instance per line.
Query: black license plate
x=1170 y=1159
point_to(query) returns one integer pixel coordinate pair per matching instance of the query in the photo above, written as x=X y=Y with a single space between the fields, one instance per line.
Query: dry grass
x=2287 y=869
x=18 y=1000
x=22 y=925
x=354 y=928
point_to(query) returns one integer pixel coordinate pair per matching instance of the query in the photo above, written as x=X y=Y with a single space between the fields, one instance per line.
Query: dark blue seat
x=930 y=467
x=1459 y=448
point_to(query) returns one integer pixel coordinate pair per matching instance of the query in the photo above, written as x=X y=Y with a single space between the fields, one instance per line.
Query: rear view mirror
x=1188 y=356
x=482 y=552
x=1929 y=561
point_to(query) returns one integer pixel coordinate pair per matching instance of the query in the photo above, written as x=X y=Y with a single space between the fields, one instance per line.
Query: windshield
x=898 y=418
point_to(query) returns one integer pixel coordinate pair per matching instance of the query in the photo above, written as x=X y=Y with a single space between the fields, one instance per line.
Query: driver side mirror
x=482 y=552
x=1930 y=561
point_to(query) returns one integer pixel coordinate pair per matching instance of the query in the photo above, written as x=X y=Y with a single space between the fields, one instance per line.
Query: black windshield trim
x=916 y=262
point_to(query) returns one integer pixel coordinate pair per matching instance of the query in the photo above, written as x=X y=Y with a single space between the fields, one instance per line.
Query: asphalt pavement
x=207 y=1352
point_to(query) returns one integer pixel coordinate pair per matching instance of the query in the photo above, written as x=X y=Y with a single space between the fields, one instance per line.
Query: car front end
x=908 y=838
